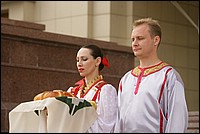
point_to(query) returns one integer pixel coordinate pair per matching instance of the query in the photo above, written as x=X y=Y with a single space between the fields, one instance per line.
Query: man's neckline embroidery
x=149 y=70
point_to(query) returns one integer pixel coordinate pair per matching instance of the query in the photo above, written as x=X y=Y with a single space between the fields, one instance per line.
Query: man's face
x=143 y=45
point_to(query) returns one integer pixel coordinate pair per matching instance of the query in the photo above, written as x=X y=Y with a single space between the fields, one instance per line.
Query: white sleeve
x=177 y=107
x=107 y=111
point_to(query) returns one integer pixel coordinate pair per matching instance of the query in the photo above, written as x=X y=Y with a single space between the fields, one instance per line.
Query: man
x=151 y=97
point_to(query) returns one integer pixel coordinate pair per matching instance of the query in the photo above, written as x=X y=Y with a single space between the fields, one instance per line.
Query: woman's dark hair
x=95 y=52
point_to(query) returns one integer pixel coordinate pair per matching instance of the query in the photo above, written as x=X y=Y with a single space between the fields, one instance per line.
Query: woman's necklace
x=86 y=87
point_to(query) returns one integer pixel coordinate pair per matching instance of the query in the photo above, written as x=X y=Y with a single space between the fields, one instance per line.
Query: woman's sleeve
x=107 y=111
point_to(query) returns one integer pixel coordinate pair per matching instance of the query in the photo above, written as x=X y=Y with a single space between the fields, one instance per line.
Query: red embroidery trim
x=161 y=92
x=161 y=122
x=99 y=86
x=139 y=81
x=163 y=84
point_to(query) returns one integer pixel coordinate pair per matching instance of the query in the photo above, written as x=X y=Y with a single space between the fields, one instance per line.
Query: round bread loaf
x=54 y=93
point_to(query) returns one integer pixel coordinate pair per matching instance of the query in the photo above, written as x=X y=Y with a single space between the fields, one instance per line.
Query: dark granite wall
x=33 y=60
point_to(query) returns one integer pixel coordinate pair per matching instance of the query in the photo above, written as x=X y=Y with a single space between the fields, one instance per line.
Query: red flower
x=105 y=62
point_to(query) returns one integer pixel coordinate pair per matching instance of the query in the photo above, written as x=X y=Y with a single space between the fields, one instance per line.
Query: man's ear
x=156 y=40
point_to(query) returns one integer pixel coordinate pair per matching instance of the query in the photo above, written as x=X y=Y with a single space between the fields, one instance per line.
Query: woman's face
x=86 y=63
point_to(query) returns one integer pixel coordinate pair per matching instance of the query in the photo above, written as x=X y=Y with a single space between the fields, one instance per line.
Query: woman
x=92 y=87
